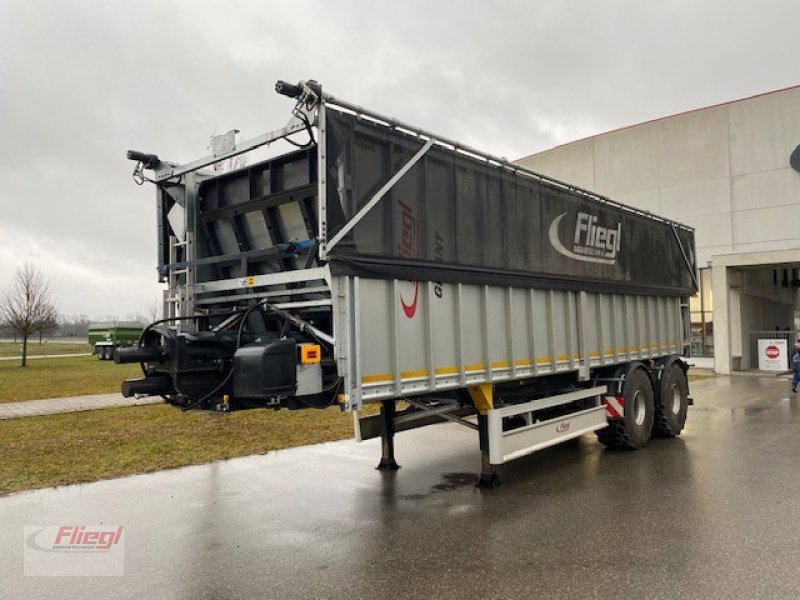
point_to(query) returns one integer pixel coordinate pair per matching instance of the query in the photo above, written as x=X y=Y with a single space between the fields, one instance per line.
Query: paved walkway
x=45 y=356
x=52 y=406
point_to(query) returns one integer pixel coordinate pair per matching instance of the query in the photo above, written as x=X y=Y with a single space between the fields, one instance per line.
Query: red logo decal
x=772 y=352
x=411 y=309
x=562 y=427
x=408 y=249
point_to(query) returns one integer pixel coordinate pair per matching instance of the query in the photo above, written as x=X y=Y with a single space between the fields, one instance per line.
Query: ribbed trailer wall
x=474 y=334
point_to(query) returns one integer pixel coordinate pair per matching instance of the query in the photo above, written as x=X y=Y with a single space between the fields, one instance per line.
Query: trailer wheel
x=632 y=432
x=671 y=403
x=106 y=352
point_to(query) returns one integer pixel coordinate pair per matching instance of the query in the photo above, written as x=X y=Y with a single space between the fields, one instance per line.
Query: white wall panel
x=766 y=189
x=767 y=224
x=764 y=131
x=694 y=146
x=573 y=163
x=699 y=198
x=716 y=229
x=646 y=200
x=626 y=161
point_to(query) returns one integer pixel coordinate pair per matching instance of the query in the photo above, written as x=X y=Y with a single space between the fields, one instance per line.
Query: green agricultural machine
x=104 y=337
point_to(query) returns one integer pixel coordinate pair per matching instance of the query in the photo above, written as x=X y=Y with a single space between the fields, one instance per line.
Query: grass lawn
x=54 y=377
x=78 y=447
x=37 y=349
x=55 y=450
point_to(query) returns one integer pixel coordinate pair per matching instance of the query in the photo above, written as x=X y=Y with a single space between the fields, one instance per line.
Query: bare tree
x=48 y=327
x=151 y=313
x=74 y=326
x=26 y=306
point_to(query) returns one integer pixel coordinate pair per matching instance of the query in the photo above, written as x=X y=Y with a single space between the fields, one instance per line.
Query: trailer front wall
x=398 y=338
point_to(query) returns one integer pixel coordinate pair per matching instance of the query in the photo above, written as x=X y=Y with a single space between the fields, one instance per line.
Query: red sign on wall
x=773 y=355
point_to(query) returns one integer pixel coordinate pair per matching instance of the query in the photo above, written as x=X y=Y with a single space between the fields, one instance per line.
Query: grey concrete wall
x=745 y=298
x=723 y=170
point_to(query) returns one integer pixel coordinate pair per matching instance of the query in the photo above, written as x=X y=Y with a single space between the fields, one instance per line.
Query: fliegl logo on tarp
x=409 y=292
x=591 y=242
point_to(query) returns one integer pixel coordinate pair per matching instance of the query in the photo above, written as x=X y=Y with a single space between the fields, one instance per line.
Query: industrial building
x=724 y=170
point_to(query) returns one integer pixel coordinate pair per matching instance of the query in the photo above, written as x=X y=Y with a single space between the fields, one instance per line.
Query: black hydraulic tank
x=265 y=370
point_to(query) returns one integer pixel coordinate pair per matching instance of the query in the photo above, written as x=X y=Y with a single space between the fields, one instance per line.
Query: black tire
x=672 y=401
x=632 y=432
x=106 y=352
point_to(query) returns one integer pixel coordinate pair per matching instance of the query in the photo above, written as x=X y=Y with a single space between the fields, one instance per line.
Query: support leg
x=489 y=478
x=388 y=412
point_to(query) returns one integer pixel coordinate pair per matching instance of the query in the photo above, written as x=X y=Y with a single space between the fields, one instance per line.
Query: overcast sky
x=81 y=82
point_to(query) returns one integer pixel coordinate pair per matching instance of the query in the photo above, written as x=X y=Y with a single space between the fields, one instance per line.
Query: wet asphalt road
x=712 y=514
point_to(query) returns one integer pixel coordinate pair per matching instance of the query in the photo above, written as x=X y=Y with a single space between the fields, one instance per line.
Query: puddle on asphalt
x=450 y=482
x=456 y=480
x=413 y=496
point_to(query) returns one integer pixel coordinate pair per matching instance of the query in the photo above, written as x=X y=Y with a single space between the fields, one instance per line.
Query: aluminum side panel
x=397 y=338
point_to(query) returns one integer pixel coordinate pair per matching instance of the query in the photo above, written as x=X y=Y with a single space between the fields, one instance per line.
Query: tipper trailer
x=104 y=337
x=377 y=262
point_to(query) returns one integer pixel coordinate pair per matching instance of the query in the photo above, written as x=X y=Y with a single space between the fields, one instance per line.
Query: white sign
x=773 y=355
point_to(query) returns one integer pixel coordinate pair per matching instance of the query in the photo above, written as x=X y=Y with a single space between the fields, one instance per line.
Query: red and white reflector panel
x=615 y=407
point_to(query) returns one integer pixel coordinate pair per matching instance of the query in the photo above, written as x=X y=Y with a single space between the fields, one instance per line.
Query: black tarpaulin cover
x=457 y=218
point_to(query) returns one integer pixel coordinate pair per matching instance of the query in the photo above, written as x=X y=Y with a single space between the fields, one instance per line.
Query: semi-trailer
x=377 y=262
